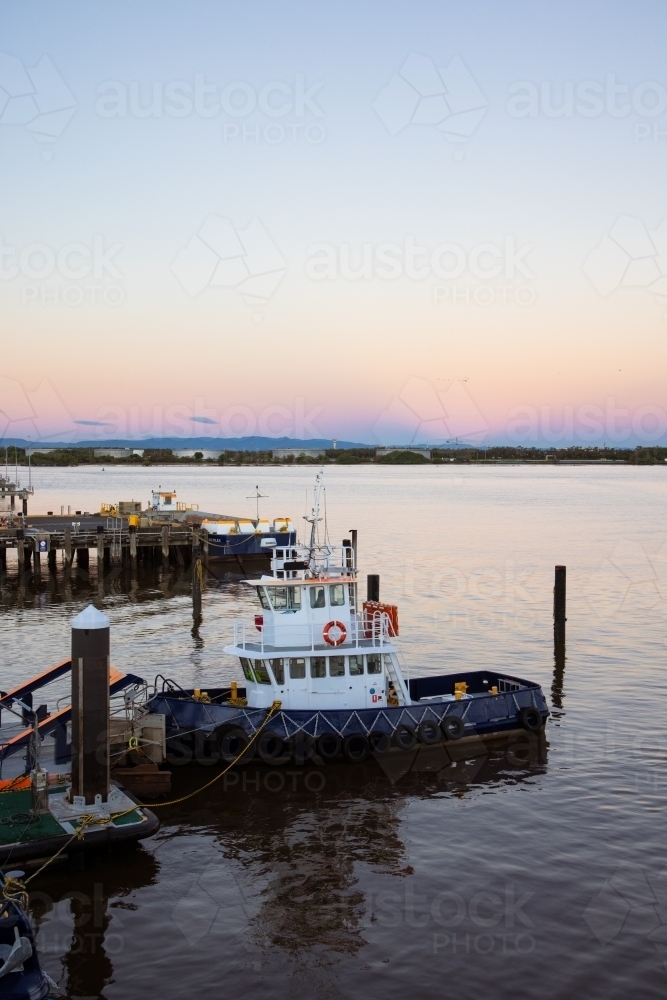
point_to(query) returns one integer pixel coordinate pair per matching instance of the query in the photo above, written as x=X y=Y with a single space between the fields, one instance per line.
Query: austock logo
x=630 y=256
x=631 y=905
x=36 y=98
x=422 y=413
x=221 y=256
x=446 y=99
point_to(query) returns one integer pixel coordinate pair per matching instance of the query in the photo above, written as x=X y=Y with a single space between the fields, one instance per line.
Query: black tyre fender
x=356 y=748
x=405 y=737
x=531 y=719
x=329 y=746
x=234 y=745
x=453 y=727
x=429 y=732
x=302 y=748
x=271 y=748
x=380 y=742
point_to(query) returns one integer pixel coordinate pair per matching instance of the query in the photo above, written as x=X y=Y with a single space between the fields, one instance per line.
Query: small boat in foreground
x=21 y=976
x=329 y=673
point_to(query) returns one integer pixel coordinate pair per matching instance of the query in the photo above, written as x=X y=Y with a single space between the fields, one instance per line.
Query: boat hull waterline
x=483 y=714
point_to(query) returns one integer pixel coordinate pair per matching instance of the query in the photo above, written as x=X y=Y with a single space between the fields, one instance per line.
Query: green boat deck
x=17 y=825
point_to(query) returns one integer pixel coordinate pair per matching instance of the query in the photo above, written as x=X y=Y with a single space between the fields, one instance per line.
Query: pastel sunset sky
x=380 y=222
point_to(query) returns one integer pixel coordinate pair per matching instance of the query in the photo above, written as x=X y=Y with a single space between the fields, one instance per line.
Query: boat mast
x=315 y=517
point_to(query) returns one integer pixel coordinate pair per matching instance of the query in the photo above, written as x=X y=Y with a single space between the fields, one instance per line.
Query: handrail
x=308 y=636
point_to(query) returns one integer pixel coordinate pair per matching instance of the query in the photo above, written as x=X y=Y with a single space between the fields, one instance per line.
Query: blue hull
x=482 y=713
x=229 y=546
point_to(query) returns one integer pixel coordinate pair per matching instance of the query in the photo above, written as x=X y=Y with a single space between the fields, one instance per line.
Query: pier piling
x=3 y=557
x=68 y=548
x=20 y=548
x=165 y=545
x=100 y=548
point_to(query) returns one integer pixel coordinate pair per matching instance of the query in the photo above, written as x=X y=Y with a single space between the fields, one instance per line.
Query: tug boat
x=330 y=675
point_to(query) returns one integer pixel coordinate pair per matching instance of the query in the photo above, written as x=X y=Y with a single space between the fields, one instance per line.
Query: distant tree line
x=73 y=456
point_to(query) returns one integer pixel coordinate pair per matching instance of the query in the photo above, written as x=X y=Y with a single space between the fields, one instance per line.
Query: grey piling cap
x=90 y=618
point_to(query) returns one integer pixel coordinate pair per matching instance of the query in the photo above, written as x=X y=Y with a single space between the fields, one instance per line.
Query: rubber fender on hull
x=356 y=748
x=452 y=727
x=531 y=719
x=429 y=732
x=405 y=737
x=234 y=746
x=303 y=748
x=272 y=749
x=329 y=746
x=380 y=742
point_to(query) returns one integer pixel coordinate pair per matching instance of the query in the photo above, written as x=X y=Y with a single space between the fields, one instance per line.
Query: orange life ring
x=339 y=633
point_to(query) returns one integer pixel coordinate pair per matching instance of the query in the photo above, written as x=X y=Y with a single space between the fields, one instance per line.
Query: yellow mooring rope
x=89 y=819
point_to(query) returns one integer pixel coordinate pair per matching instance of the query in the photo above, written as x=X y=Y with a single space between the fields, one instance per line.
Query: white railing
x=373 y=632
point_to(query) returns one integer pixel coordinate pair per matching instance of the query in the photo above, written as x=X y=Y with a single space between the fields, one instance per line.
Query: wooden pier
x=38 y=544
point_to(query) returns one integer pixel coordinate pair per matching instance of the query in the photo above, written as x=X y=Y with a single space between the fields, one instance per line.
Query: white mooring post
x=90 y=706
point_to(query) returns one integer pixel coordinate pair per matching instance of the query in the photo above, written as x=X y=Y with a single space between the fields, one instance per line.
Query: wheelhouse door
x=296 y=680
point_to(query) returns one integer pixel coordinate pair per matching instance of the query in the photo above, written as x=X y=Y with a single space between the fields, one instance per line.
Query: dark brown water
x=536 y=869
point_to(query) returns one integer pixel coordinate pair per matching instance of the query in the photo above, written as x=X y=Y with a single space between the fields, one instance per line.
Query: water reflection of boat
x=292 y=844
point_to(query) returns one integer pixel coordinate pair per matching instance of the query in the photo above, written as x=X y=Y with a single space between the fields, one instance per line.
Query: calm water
x=537 y=870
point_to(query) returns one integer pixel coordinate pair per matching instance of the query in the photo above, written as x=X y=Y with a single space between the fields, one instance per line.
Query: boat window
x=336 y=595
x=297 y=668
x=318 y=666
x=374 y=664
x=279 y=553
x=263 y=600
x=261 y=673
x=316 y=597
x=294 y=598
x=336 y=666
x=246 y=666
x=279 y=598
x=286 y=598
x=278 y=668
x=356 y=666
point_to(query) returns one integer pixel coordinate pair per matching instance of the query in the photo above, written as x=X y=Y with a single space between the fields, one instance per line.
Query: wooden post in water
x=133 y=546
x=3 y=557
x=90 y=705
x=68 y=549
x=559 y=604
x=37 y=565
x=20 y=548
x=53 y=569
x=197 y=578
